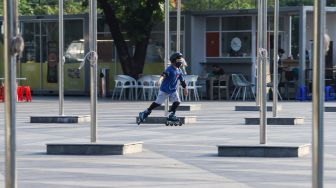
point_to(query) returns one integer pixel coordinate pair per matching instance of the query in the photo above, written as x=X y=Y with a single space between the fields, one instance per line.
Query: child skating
x=168 y=88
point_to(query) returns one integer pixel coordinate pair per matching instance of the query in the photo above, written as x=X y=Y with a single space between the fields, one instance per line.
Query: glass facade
x=229 y=50
x=155 y=50
x=39 y=60
x=229 y=36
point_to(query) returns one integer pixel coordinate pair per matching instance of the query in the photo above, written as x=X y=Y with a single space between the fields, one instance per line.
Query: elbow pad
x=164 y=74
x=183 y=84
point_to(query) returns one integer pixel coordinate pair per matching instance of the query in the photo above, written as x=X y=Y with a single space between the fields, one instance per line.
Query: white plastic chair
x=123 y=82
x=147 y=84
x=155 y=79
x=191 y=82
x=241 y=83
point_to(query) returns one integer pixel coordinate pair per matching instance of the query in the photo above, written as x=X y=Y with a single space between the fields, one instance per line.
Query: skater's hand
x=185 y=92
x=158 y=83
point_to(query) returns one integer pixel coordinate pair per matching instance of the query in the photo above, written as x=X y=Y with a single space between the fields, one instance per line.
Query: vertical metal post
x=302 y=46
x=254 y=51
x=178 y=27
x=167 y=46
x=10 y=31
x=93 y=68
x=260 y=26
x=275 y=58
x=263 y=118
x=318 y=92
x=290 y=36
x=60 y=58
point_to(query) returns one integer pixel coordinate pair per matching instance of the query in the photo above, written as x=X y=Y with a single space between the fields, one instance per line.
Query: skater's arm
x=184 y=86
x=160 y=80
x=163 y=75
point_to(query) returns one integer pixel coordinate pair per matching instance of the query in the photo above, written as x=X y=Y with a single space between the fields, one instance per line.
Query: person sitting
x=217 y=71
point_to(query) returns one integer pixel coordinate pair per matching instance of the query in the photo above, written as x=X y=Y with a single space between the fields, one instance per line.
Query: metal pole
x=263 y=118
x=61 y=58
x=318 y=92
x=93 y=68
x=10 y=56
x=260 y=26
x=178 y=27
x=275 y=58
x=290 y=36
x=302 y=46
x=167 y=46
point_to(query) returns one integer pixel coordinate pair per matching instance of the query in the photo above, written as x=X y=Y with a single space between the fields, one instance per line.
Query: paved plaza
x=172 y=157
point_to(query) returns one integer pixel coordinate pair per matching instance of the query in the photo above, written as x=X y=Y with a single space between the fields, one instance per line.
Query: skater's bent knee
x=176 y=103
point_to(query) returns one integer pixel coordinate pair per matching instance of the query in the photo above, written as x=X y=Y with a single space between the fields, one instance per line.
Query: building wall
x=197 y=44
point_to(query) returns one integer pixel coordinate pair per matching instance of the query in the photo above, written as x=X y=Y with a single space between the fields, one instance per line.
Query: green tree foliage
x=48 y=7
x=217 y=4
x=136 y=18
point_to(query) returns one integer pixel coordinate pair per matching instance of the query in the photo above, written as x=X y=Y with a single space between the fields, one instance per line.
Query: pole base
x=330 y=109
x=276 y=121
x=60 y=119
x=263 y=150
x=255 y=108
x=94 y=149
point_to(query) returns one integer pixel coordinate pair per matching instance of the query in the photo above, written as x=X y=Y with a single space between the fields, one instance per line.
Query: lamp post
x=167 y=46
x=263 y=60
x=61 y=58
x=178 y=26
x=275 y=58
x=13 y=45
x=93 y=68
x=318 y=93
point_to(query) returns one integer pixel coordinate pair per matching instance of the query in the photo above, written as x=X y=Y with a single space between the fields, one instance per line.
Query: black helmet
x=174 y=56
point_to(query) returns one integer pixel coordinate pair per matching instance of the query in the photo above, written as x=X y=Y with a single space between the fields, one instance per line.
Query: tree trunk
x=119 y=41
x=132 y=66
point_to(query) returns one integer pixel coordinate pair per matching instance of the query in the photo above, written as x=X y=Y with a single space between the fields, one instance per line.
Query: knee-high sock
x=174 y=107
x=152 y=106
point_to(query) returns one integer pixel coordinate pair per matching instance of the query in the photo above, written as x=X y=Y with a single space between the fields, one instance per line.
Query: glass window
x=236 y=23
x=236 y=44
x=30 y=32
x=155 y=49
x=73 y=31
x=173 y=23
x=271 y=23
x=75 y=50
x=173 y=41
x=212 y=24
x=73 y=41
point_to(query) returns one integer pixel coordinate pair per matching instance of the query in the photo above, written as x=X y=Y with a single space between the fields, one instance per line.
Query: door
x=212 y=44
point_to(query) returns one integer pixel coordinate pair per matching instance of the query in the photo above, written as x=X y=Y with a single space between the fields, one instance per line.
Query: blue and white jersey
x=169 y=83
